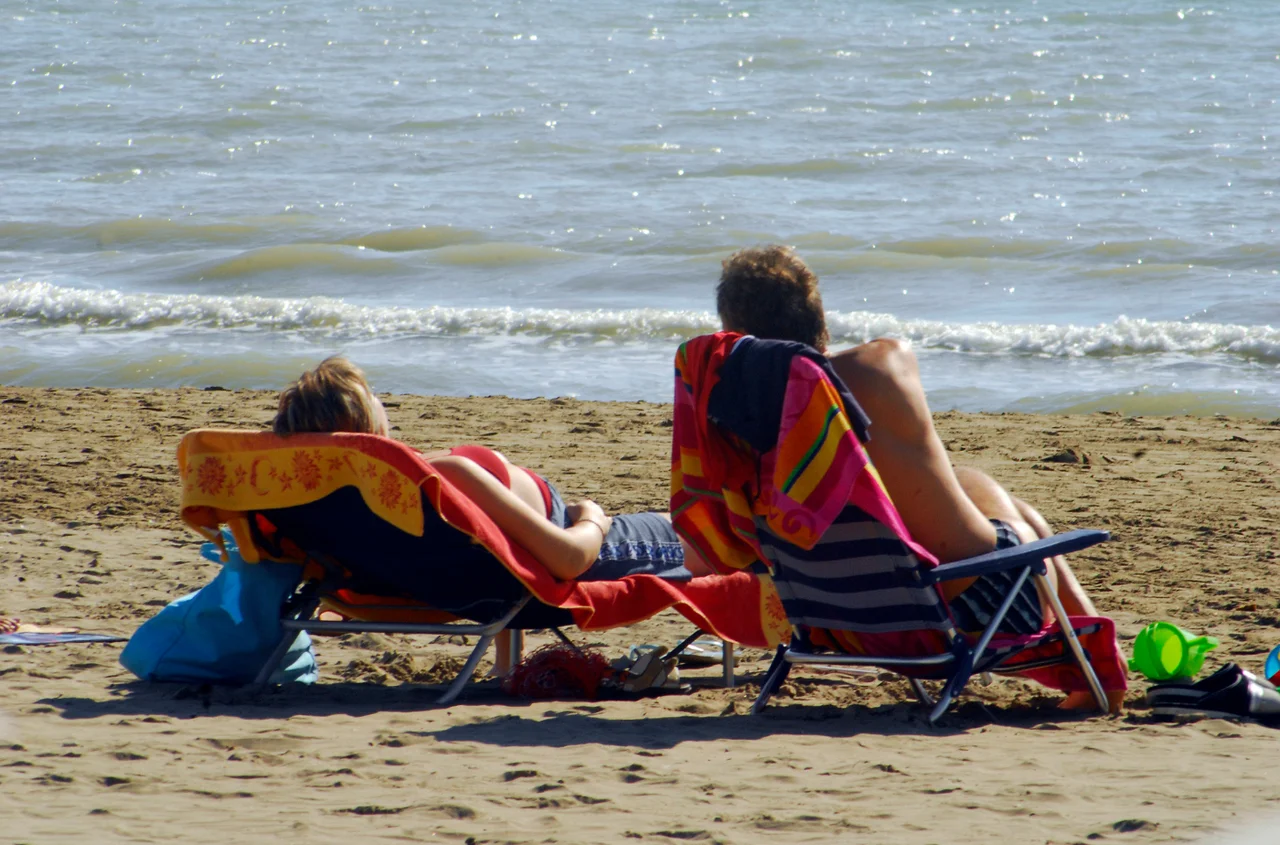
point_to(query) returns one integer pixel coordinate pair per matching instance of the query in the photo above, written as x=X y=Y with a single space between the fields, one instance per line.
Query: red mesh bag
x=558 y=671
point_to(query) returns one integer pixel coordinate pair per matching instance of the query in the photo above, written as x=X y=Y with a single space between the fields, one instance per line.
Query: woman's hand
x=585 y=510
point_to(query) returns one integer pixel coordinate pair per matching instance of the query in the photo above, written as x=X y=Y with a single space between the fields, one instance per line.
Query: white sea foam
x=49 y=305
x=1123 y=336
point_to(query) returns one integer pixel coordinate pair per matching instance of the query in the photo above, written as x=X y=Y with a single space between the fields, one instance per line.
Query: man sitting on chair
x=954 y=512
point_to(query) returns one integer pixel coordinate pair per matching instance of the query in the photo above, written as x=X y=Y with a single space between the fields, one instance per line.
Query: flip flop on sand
x=1229 y=693
x=637 y=651
x=706 y=651
x=652 y=671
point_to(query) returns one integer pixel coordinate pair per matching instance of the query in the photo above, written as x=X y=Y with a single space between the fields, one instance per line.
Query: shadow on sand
x=548 y=723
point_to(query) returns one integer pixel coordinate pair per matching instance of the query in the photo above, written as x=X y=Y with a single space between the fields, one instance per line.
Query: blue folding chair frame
x=958 y=665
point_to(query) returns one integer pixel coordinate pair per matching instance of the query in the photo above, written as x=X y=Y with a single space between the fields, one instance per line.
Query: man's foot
x=7 y=625
x=1086 y=701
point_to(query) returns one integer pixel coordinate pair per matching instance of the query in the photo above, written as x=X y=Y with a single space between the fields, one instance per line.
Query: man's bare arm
x=885 y=379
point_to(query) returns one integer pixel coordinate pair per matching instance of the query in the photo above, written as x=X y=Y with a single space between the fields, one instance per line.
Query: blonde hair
x=335 y=396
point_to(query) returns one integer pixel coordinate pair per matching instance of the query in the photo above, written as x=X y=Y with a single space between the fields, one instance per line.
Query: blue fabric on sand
x=223 y=632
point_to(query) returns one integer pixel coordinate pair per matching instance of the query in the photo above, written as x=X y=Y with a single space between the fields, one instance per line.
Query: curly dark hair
x=769 y=292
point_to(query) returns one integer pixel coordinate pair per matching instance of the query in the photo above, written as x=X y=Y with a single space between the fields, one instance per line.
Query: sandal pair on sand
x=647 y=667
x=1229 y=693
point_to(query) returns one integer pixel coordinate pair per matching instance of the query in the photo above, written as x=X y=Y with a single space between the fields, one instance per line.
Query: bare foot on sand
x=7 y=625
x=1085 y=701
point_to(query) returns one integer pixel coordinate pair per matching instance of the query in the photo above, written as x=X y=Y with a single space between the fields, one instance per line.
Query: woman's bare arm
x=565 y=552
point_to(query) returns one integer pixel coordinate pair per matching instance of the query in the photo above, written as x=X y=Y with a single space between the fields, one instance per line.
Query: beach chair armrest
x=1004 y=559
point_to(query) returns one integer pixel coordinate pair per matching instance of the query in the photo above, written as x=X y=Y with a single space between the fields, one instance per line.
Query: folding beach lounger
x=769 y=475
x=352 y=508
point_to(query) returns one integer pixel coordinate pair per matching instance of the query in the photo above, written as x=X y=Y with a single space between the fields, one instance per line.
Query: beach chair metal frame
x=297 y=617
x=342 y=505
x=957 y=666
x=297 y=612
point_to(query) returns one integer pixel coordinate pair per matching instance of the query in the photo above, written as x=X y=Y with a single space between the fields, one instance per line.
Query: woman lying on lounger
x=573 y=541
x=577 y=540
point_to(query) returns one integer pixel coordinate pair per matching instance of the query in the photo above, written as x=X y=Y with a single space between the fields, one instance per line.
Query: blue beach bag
x=223 y=632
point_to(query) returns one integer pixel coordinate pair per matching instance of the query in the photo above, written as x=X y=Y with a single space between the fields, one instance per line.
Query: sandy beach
x=90 y=537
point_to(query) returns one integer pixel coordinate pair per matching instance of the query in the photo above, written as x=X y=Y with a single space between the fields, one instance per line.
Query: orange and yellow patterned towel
x=228 y=475
x=720 y=487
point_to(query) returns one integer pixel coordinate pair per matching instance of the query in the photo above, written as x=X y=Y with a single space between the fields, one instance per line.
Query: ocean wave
x=50 y=305
x=152 y=232
x=274 y=259
x=1124 y=336
x=414 y=238
x=814 y=168
x=301 y=233
x=1153 y=403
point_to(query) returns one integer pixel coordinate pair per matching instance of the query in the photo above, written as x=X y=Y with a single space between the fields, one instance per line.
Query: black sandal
x=1229 y=693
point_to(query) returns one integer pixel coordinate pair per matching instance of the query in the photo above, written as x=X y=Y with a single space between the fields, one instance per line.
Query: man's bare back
x=885 y=379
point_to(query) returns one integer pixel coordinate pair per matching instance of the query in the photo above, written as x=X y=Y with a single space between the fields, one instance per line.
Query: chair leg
x=564 y=639
x=956 y=683
x=921 y=692
x=1064 y=622
x=469 y=668
x=966 y=657
x=303 y=612
x=685 y=643
x=727 y=661
x=778 y=671
x=467 y=671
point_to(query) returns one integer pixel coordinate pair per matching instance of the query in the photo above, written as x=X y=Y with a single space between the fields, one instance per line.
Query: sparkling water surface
x=1062 y=209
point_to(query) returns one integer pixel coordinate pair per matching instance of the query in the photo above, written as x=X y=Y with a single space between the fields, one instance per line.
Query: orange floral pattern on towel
x=242 y=471
x=773 y=616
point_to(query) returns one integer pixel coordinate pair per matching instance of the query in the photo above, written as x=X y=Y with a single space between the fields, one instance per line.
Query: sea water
x=1062 y=208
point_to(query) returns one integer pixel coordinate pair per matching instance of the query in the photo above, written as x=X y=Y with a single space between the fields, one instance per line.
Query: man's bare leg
x=945 y=509
x=1075 y=601
x=996 y=503
x=1029 y=524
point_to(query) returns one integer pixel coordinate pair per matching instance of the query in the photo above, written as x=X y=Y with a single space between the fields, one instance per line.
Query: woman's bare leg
x=502 y=662
x=692 y=560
